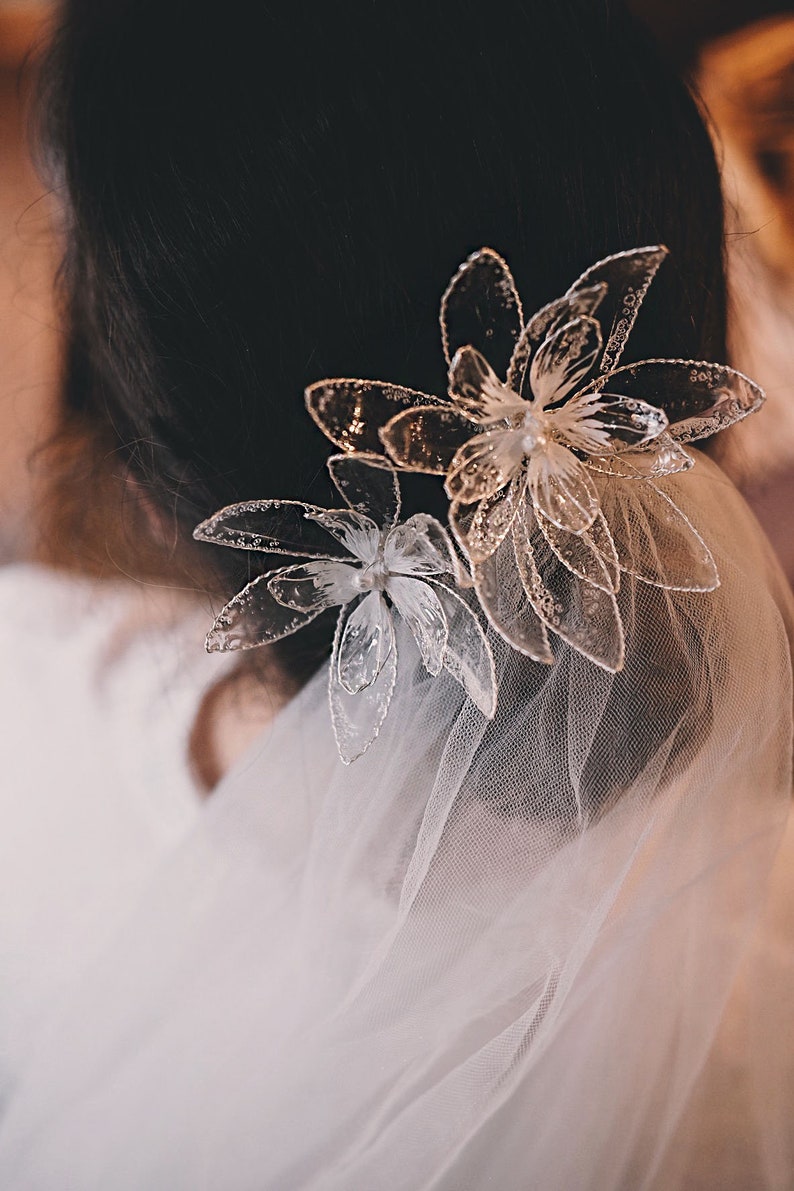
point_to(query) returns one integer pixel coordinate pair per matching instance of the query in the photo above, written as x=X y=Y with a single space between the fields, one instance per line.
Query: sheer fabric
x=500 y=953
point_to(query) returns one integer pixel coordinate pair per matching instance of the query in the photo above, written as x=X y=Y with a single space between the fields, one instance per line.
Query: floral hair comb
x=550 y=474
x=371 y=565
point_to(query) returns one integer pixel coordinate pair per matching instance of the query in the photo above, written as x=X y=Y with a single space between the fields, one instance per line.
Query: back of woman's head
x=264 y=195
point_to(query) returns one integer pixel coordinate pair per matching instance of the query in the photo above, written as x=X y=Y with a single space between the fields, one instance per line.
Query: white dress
x=99 y=688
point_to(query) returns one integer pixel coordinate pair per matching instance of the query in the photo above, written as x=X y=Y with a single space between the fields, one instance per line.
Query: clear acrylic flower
x=373 y=567
x=551 y=452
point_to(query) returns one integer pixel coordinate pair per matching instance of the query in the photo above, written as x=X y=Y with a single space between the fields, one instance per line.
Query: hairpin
x=553 y=472
x=373 y=567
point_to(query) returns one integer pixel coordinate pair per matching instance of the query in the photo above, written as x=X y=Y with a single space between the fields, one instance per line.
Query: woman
x=492 y=951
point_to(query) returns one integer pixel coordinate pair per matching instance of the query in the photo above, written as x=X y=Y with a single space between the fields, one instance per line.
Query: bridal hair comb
x=551 y=471
x=552 y=456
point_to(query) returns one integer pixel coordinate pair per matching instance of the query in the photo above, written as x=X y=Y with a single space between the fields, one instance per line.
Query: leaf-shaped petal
x=563 y=360
x=590 y=554
x=420 y=546
x=661 y=457
x=366 y=642
x=503 y=599
x=360 y=536
x=481 y=308
x=426 y=438
x=598 y=423
x=562 y=488
x=254 y=617
x=477 y=391
x=482 y=527
x=357 y=718
x=369 y=484
x=351 y=412
x=627 y=276
x=484 y=464
x=421 y=609
x=468 y=655
x=654 y=540
x=273 y=526
x=542 y=325
x=699 y=399
x=313 y=586
x=584 y=615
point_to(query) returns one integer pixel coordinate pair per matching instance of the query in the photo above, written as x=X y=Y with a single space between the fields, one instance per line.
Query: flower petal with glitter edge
x=313 y=586
x=481 y=308
x=583 y=615
x=351 y=412
x=484 y=464
x=477 y=391
x=564 y=360
x=700 y=399
x=421 y=546
x=357 y=718
x=367 y=640
x=591 y=554
x=628 y=276
x=503 y=599
x=272 y=526
x=542 y=325
x=426 y=439
x=255 y=617
x=661 y=457
x=420 y=608
x=599 y=423
x=562 y=488
x=481 y=528
x=357 y=533
x=368 y=484
x=468 y=656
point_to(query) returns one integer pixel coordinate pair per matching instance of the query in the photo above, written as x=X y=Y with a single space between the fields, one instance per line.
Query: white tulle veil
x=490 y=953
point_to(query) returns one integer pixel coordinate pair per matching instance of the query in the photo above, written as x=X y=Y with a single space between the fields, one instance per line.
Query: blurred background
x=30 y=328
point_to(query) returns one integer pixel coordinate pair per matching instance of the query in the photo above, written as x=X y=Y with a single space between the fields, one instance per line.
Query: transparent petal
x=273 y=526
x=360 y=536
x=662 y=457
x=481 y=308
x=426 y=438
x=468 y=655
x=421 y=610
x=369 y=484
x=367 y=640
x=484 y=464
x=313 y=586
x=628 y=276
x=598 y=423
x=699 y=399
x=654 y=540
x=477 y=391
x=562 y=488
x=482 y=527
x=420 y=546
x=351 y=412
x=503 y=599
x=357 y=718
x=564 y=360
x=582 y=614
x=591 y=554
x=542 y=325
x=254 y=617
